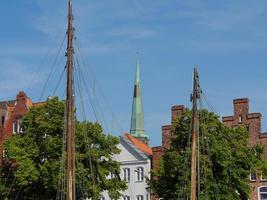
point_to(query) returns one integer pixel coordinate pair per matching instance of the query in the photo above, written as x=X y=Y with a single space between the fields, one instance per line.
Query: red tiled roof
x=39 y=104
x=139 y=144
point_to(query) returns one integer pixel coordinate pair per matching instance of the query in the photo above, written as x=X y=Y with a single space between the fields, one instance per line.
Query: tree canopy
x=34 y=163
x=224 y=156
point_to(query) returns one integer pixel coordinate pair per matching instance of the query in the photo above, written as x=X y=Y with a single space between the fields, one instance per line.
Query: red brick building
x=241 y=116
x=252 y=121
x=11 y=113
x=158 y=151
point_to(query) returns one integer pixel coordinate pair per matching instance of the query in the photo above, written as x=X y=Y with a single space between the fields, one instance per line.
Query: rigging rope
x=41 y=65
x=97 y=87
x=52 y=70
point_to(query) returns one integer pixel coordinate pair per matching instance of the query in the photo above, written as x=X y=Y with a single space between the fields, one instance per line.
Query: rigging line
x=198 y=153
x=18 y=192
x=64 y=93
x=88 y=93
x=79 y=182
x=214 y=185
x=59 y=81
x=129 y=187
x=208 y=103
x=185 y=181
x=10 y=188
x=9 y=172
x=202 y=150
x=100 y=90
x=52 y=68
x=61 y=178
x=94 y=98
x=77 y=75
x=30 y=83
x=228 y=137
x=78 y=78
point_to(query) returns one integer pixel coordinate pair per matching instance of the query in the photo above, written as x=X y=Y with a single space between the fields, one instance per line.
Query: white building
x=135 y=159
x=135 y=156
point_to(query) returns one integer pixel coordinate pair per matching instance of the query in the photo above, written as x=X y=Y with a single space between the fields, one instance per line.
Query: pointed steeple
x=137 y=121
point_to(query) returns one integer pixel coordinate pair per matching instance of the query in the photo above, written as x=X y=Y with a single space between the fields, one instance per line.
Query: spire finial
x=137 y=78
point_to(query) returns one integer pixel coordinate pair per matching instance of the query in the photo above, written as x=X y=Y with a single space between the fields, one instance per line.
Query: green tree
x=33 y=165
x=225 y=161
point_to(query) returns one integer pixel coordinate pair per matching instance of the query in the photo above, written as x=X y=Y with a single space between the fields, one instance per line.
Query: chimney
x=177 y=112
x=241 y=109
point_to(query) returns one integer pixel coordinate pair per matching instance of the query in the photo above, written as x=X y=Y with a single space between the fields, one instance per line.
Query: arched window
x=263 y=193
x=140 y=174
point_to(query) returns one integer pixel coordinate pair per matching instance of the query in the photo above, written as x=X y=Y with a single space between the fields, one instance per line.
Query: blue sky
x=227 y=40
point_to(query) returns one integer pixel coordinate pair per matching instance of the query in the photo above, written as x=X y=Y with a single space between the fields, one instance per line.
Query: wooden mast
x=195 y=133
x=70 y=109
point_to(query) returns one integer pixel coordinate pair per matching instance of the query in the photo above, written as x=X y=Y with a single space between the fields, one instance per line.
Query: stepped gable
x=139 y=144
x=252 y=122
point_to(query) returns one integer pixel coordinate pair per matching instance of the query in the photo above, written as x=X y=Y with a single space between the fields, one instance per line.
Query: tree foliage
x=33 y=159
x=225 y=161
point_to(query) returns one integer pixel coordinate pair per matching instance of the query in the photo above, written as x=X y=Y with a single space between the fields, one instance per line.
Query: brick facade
x=11 y=113
x=158 y=151
x=252 y=121
x=242 y=116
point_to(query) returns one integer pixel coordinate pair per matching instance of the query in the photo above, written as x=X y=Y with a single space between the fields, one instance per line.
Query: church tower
x=137 y=129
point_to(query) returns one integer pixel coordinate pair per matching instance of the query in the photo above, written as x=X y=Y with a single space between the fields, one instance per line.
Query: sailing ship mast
x=70 y=109
x=195 y=133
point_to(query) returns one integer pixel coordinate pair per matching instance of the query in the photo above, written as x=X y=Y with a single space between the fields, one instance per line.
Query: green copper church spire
x=137 y=121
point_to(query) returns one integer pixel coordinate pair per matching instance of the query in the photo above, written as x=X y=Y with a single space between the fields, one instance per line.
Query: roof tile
x=139 y=144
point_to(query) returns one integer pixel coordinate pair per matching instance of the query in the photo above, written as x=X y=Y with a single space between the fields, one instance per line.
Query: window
x=247 y=128
x=102 y=198
x=20 y=129
x=126 y=198
x=140 y=197
x=3 y=120
x=264 y=175
x=263 y=193
x=15 y=127
x=126 y=174
x=112 y=175
x=240 y=119
x=140 y=174
x=4 y=154
x=253 y=176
